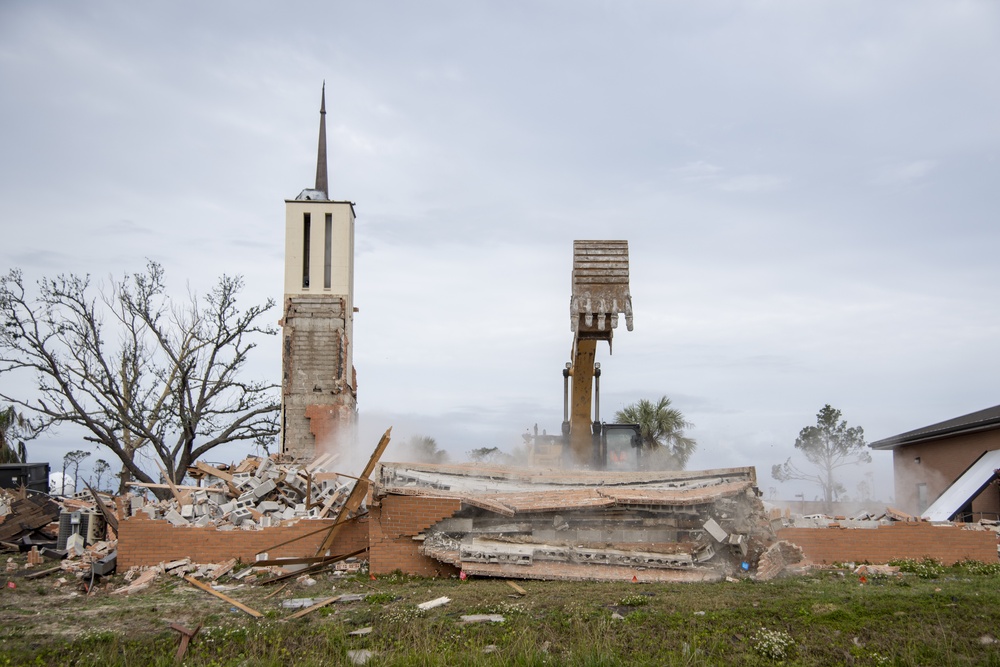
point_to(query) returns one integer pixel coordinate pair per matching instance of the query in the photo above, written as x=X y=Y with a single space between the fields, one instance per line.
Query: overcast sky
x=809 y=190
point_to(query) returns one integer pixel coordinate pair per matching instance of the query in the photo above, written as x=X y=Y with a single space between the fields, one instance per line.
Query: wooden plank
x=43 y=573
x=279 y=589
x=357 y=493
x=209 y=489
x=208 y=589
x=213 y=471
x=222 y=569
x=318 y=605
x=109 y=516
x=170 y=483
x=520 y=591
x=323 y=476
x=313 y=568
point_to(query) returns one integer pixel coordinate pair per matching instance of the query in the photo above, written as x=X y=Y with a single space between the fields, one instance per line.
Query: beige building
x=319 y=386
x=930 y=461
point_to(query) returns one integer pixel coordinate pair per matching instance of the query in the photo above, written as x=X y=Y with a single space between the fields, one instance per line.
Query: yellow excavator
x=600 y=297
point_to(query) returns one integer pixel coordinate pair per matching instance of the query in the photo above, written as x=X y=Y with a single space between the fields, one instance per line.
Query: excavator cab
x=618 y=447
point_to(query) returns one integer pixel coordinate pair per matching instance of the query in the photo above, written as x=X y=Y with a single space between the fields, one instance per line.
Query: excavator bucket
x=600 y=289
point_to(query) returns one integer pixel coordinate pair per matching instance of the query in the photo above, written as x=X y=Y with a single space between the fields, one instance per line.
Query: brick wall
x=941 y=463
x=143 y=541
x=318 y=392
x=947 y=544
x=394 y=522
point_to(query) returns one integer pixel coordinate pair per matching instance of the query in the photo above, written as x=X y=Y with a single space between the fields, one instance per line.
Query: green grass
x=827 y=618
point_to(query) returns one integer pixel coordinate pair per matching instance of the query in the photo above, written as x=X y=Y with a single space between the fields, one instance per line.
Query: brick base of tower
x=319 y=392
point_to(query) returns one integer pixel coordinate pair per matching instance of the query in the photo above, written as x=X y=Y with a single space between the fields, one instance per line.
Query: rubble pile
x=666 y=526
x=256 y=494
x=25 y=517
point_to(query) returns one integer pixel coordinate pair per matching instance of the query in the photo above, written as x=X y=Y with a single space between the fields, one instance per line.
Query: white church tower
x=319 y=388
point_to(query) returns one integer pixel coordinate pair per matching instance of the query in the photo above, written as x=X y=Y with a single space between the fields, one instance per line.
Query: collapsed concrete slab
x=580 y=525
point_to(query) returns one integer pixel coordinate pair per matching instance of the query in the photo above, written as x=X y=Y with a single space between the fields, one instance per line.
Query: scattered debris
x=430 y=604
x=314 y=607
x=777 y=559
x=143 y=582
x=297 y=603
x=361 y=632
x=482 y=618
x=360 y=656
x=256 y=494
x=186 y=637
x=26 y=514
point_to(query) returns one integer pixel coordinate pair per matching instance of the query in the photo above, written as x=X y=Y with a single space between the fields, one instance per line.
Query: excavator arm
x=600 y=296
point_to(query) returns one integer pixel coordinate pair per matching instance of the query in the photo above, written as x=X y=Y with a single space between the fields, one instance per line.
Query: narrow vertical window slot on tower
x=328 y=251
x=306 y=224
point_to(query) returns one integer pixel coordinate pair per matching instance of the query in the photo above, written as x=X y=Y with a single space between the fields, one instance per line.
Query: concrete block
x=265 y=466
x=173 y=517
x=715 y=530
x=248 y=497
x=269 y=506
x=240 y=514
x=187 y=511
x=227 y=507
x=264 y=488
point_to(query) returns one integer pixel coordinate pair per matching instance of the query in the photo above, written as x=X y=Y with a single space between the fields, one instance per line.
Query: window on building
x=921 y=498
x=306 y=224
x=328 y=251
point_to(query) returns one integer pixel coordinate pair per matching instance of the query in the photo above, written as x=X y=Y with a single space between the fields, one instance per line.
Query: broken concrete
x=532 y=524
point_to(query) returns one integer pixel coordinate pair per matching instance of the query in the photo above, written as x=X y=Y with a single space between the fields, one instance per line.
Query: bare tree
x=164 y=377
x=101 y=468
x=72 y=461
x=827 y=446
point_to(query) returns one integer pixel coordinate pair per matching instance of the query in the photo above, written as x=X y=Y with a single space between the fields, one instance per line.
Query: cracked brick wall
x=947 y=544
x=393 y=523
x=319 y=392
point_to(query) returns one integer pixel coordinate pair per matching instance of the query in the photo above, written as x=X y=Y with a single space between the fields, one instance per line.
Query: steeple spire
x=321 y=181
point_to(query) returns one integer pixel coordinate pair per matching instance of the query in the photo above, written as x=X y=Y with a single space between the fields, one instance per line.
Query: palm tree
x=662 y=428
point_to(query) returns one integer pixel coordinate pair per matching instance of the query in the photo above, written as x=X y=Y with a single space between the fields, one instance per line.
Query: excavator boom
x=600 y=295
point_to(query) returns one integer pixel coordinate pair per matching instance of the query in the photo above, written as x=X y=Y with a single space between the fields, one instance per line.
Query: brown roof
x=983 y=420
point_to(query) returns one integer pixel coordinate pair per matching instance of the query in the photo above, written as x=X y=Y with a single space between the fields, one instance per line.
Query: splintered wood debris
x=646 y=526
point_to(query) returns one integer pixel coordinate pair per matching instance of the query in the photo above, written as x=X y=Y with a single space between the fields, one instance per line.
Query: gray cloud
x=808 y=191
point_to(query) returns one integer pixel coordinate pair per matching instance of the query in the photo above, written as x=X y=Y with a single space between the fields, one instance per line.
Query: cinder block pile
x=256 y=494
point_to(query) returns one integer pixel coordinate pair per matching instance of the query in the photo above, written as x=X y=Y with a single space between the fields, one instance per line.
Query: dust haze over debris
x=808 y=191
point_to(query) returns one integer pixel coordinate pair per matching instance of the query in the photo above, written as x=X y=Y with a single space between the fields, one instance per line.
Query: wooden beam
x=109 y=516
x=208 y=589
x=357 y=493
x=318 y=605
x=213 y=471
x=210 y=489
x=170 y=483
x=313 y=568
